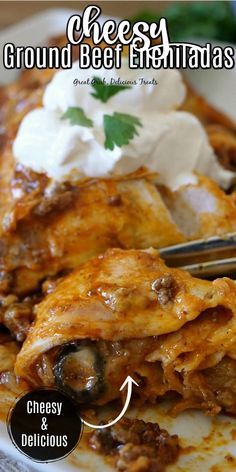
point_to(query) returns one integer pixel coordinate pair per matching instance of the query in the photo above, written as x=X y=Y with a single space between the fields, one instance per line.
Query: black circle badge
x=45 y=425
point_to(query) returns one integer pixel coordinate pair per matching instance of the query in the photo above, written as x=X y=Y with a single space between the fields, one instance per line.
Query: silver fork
x=211 y=257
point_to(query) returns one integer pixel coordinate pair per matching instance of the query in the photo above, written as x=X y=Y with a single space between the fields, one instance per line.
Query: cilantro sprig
x=119 y=129
x=103 y=91
x=77 y=116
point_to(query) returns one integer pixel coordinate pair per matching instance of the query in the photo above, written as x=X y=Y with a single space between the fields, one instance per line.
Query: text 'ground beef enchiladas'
x=126 y=313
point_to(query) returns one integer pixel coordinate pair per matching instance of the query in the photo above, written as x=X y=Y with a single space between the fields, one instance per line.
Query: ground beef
x=136 y=446
x=115 y=200
x=6 y=280
x=17 y=315
x=165 y=288
x=58 y=199
x=222 y=381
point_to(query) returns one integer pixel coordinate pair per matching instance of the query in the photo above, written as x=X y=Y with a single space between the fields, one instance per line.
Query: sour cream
x=171 y=143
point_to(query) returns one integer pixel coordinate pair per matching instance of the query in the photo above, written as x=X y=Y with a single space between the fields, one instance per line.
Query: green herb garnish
x=77 y=116
x=119 y=129
x=105 y=91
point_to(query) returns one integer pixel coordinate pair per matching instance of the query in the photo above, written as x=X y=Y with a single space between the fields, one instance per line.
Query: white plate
x=217 y=85
x=213 y=440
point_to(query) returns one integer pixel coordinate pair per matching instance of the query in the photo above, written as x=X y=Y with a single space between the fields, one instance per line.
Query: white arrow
x=128 y=381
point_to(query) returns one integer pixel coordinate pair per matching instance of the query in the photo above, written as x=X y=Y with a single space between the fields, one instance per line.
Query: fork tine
x=209 y=257
x=201 y=249
x=221 y=267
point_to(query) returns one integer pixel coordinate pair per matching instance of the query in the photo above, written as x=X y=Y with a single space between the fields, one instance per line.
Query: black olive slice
x=79 y=371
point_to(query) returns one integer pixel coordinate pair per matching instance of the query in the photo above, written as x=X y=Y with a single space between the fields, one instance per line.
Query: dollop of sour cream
x=171 y=143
